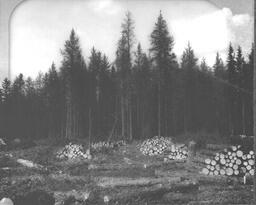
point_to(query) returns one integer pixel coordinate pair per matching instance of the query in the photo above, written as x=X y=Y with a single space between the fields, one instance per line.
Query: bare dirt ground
x=123 y=176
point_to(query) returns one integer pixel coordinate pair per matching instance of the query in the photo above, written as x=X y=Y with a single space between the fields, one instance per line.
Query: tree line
x=138 y=95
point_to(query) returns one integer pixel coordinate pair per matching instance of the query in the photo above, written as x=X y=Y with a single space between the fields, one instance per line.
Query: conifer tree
x=124 y=65
x=204 y=67
x=219 y=68
x=163 y=57
x=232 y=93
x=71 y=70
x=189 y=65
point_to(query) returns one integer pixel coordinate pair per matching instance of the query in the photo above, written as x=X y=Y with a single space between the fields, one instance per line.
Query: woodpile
x=163 y=145
x=178 y=153
x=155 y=146
x=73 y=151
x=105 y=146
x=233 y=161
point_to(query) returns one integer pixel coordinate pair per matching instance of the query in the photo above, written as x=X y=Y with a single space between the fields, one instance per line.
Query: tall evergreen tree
x=163 y=57
x=240 y=101
x=189 y=65
x=219 y=68
x=6 y=89
x=71 y=69
x=142 y=89
x=232 y=93
x=204 y=67
x=124 y=65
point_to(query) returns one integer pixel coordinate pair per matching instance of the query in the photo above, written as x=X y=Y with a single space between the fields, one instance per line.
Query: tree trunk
x=159 y=110
x=122 y=110
x=254 y=101
x=243 y=117
x=90 y=127
x=130 y=117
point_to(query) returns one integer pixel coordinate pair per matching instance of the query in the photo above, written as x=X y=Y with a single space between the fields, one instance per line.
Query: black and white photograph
x=127 y=102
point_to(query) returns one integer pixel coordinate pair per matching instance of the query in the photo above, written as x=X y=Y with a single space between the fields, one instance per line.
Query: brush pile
x=234 y=161
x=106 y=146
x=73 y=151
x=155 y=146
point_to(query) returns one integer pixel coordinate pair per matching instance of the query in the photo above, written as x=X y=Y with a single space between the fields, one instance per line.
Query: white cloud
x=39 y=29
x=109 y=7
x=212 y=32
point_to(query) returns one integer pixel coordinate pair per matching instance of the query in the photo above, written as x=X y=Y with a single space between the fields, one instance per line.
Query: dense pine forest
x=141 y=94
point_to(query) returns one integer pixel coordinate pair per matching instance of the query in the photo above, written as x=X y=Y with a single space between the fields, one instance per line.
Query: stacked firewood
x=73 y=151
x=105 y=146
x=155 y=146
x=233 y=161
x=164 y=146
x=177 y=153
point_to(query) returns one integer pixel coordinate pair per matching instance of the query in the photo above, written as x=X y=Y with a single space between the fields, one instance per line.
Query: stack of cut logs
x=164 y=146
x=103 y=146
x=233 y=161
x=177 y=153
x=155 y=146
x=73 y=151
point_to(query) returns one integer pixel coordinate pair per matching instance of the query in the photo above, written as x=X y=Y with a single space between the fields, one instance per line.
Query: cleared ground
x=122 y=176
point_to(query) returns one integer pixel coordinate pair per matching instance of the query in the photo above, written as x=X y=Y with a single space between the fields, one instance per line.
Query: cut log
x=119 y=182
x=207 y=161
x=248 y=167
x=229 y=171
x=205 y=171
x=223 y=161
x=29 y=164
x=234 y=148
x=251 y=172
x=238 y=162
x=222 y=172
x=213 y=163
x=251 y=162
x=239 y=153
x=235 y=166
x=217 y=167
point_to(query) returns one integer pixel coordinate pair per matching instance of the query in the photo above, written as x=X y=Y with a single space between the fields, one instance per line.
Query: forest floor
x=125 y=176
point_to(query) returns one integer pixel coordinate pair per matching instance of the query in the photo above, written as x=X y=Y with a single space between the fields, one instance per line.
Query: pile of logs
x=155 y=146
x=233 y=161
x=178 y=153
x=104 y=146
x=73 y=151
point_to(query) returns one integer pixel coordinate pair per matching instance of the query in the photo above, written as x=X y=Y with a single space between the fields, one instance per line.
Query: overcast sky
x=40 y=28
